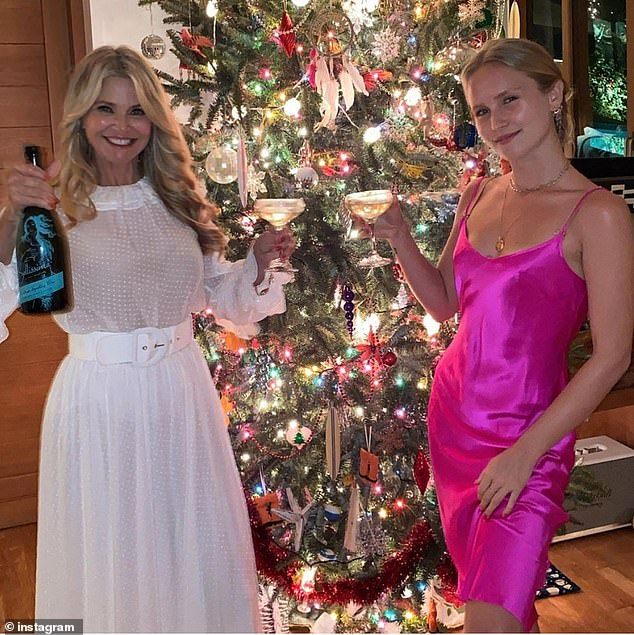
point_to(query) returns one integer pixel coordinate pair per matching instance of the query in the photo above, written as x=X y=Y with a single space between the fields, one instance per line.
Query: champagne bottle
x=40 y=257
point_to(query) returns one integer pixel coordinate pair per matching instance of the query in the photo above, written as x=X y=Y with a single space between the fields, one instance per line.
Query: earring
x=558 y=120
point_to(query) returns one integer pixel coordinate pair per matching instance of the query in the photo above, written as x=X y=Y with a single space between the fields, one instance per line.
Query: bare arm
x=608 y=265
x=433 y=286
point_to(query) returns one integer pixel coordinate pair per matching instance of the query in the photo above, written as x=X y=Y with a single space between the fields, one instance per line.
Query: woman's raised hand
x=391 y=224
x=28 y=185
x=271 y=245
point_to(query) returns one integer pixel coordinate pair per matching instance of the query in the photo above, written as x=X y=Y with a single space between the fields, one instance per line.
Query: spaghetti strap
x=477 y=190
x=577 y=207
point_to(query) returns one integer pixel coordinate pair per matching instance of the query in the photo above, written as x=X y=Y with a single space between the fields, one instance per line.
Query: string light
x=413 y=96
x=399 y=504
x=212 y=8
x=372 y=134
x=431 y=326
x=292 y=107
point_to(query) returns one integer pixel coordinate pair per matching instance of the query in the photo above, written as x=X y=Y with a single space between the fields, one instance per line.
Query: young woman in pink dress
x=532 y=254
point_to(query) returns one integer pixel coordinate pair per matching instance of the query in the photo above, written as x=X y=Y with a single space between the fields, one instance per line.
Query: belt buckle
x=151 y=346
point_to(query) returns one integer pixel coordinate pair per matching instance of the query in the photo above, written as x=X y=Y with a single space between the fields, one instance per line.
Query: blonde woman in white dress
x=142 y=523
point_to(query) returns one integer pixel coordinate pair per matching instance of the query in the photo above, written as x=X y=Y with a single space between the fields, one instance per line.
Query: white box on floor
x=612 y=464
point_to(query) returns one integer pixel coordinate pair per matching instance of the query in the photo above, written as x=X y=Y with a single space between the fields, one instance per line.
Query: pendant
x=499 y=245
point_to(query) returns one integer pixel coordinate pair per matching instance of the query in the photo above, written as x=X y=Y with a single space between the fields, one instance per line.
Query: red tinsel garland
x=273 y=563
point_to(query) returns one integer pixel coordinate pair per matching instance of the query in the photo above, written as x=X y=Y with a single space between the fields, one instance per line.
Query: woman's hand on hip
x=505 y=475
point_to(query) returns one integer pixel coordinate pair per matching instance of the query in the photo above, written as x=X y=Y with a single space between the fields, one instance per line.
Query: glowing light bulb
x=307 y=583
x=431 y=326
x=413 y=96
x=292 y=107
x=372 y=134
x=212 y=8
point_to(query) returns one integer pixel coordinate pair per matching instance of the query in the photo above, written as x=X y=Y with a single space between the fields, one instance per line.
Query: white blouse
x=135 y=265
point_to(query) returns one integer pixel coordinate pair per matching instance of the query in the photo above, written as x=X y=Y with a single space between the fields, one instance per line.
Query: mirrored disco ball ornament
x=306 y=177
x=153 y=47
x=222 y=164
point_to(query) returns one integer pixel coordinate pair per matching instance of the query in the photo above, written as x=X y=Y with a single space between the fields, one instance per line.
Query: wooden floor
x=602 y=565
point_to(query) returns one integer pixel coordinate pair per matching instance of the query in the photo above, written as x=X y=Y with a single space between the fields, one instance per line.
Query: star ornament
x=296 y=515
x=370 y=352
x=195 y=42
x=284 y=35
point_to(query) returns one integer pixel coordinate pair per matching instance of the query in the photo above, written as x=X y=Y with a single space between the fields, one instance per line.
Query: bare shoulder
x=603 y=211
x=473 y=190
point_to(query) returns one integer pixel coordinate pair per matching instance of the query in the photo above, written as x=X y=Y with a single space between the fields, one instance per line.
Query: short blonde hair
x=166 y=159
x=534 y=61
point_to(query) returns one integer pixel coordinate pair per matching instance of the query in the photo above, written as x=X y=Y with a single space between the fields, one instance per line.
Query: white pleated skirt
x=142 y=521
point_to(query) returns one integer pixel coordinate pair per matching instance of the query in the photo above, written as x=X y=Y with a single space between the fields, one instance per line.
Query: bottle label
x=43 y=288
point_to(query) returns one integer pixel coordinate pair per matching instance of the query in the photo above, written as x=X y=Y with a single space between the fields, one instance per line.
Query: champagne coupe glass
x=278 y=212
x=369 y=205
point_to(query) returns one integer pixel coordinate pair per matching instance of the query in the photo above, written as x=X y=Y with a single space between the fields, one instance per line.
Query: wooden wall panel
x=18 y=486
x=34 y=70
x=22 y=65
x=12 y=141
x=57 y=39
x=28 y=361
x=617 y=423
x=17 y=511
x=21 y=22
x=24 y=106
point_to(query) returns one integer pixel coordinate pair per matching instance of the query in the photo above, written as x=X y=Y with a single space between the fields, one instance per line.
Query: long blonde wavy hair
x=533 y=60
x=166 y=159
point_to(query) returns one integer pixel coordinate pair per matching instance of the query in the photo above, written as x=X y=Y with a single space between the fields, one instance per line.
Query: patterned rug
x=556 y=584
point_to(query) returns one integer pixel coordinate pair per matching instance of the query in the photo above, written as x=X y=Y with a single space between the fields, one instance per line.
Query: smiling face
x=510 y=110
x=118 y=130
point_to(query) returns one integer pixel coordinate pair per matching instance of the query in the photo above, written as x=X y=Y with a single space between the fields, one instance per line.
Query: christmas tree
x=326 y=405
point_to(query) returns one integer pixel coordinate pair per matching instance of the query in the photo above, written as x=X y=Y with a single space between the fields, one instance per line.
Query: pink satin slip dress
x=507 y=363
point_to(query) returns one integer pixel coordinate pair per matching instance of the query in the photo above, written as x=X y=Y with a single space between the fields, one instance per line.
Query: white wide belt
x=142 y=347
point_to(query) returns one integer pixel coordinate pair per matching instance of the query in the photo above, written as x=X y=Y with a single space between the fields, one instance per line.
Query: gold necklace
x=499 y=243
x=520 y=190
